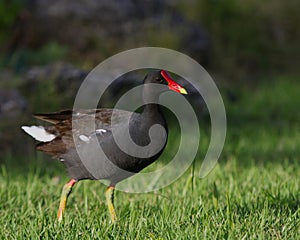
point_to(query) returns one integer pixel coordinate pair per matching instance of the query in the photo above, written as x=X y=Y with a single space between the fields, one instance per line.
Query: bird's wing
x=55 y=117
x=70 y=124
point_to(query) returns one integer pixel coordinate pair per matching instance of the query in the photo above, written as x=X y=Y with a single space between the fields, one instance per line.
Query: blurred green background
x=48 y=47
x=244 y=38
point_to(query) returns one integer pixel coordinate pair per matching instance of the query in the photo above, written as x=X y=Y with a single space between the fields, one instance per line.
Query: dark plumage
x=68 y=131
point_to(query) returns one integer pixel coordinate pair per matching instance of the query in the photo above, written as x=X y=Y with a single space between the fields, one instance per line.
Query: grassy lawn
x=253 y=193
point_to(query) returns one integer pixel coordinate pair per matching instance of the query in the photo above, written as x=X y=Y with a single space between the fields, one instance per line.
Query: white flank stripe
x=100 y=130
x=84 y=138
x=39 y=133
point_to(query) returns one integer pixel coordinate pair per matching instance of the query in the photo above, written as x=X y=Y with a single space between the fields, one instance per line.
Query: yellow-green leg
x=109 y=194
x=64 y=197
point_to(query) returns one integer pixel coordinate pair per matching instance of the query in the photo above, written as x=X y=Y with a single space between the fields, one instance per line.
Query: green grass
x=253 y=193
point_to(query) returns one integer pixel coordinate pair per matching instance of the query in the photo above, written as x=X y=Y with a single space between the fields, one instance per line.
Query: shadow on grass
x=279 y=205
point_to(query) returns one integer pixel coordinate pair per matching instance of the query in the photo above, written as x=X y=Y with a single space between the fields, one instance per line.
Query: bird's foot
x=63 y=199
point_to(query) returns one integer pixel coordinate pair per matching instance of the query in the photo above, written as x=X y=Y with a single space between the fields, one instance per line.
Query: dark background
x=48 y=47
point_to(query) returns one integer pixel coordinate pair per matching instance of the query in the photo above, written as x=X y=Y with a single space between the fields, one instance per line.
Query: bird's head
x=162 y=77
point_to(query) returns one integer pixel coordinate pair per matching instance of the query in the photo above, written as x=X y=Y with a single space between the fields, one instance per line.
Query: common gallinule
x=58 y=139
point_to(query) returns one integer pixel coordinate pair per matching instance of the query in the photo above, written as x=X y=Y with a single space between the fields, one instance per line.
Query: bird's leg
x=109 y=194
x=63 y=199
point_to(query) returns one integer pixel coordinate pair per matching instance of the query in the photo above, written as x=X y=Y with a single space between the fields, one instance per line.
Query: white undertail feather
x=84 y=138
x=39 y=133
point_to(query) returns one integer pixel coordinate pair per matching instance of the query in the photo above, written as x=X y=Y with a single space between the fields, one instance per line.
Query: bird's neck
x=150 y=99
x=151 y=109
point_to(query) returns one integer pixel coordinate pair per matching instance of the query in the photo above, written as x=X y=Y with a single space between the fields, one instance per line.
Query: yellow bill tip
x=183 y=91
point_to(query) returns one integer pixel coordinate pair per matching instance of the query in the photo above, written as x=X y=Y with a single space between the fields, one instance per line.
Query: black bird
x=61 y=139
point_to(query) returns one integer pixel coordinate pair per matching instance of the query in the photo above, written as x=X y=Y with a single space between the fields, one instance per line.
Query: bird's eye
x=158 y=80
